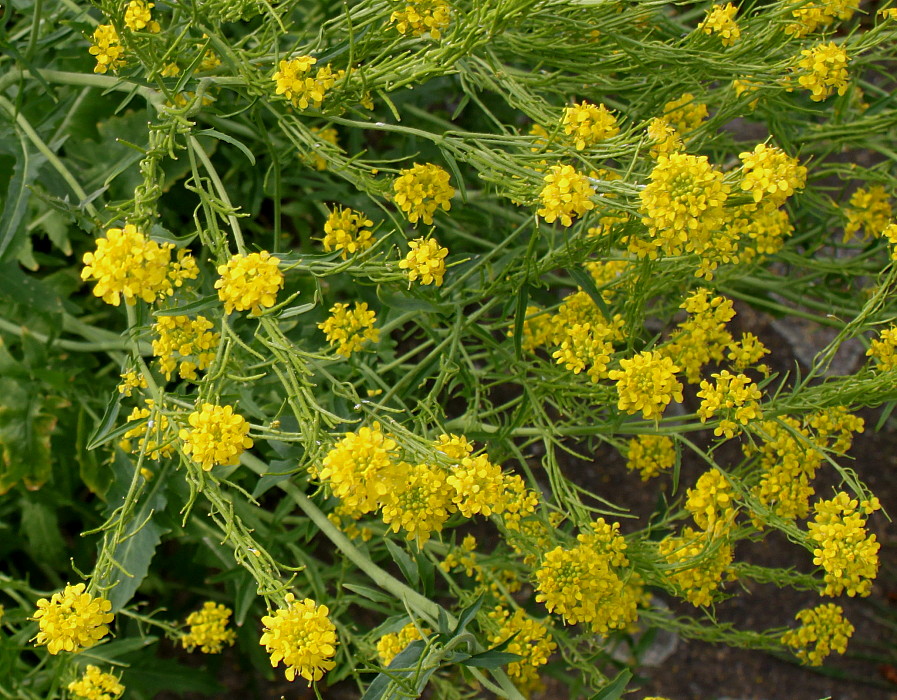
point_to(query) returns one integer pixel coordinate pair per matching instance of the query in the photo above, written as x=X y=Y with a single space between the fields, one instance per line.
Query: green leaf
x=18 y=288
x=368 y=592
x=40 y=527
x=96 y=475
x=491 y=659
x=615 y=689
x=406 y=563
x=15 y=204
x=405 y=659
x=201 y=304
x=153 y=676
x=584 y=280
x=215 y=134
x=467 y=615
x=106 y=429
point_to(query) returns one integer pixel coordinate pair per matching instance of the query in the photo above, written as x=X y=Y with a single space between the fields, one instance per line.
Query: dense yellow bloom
x=152 y=435
x=208 y=629
x=711 y=502
x=869 y=210
x=889 y=232
x=216 y=436
x=824 y=629
x=589 y=124
x=746 y=353
x=462 y=556
x=347 y=330
x=420 y=503
x=138 y=17
x=107 y=49
x=685 y=113
x=184 y=344
x=702 y=337
x=823 y=71
x=453 y=446
x=126 y=264
x=360 y=469
x=734 y=396
x=422 y=16
x=699 y=563
x=835 y=427
x=844 y=548
x=720 y=20
x=72 y=620
x=585 y=346
x=249 y=282
x=96 y=685
x=664 y=138
x=520 y=502
x=302 y=636
x=129 y=381
x=479 y=487
x=810 y=16
x=532 y=641
x=295 y=82
x=391 y=644
x=647 y=383
x=770 y=174
x=566 y=194
x=884 y=349
x=649 y=455
x=422 y=189
x=888 y=13
x=425 y=261
x=346 y=230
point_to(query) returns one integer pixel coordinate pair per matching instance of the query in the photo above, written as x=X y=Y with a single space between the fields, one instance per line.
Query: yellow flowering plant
x=424 y=348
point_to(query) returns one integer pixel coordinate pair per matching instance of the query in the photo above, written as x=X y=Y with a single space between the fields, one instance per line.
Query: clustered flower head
x=184 y=344
x=421 y=505
x=301 y=636
x=422 y=189
x=663 y=137
x=295 y=81
x=702 y=337
x=425 y=261
x=698 y=563
x=823 y=71
x=584 y=347
x=711 y=502
x=126 y=264
x=734 y=396
x=96 y=685
x=824 y=629
x=647 y=383
x=589 y=124
x=810 y=16
x=650 y=455
x=720 y=20
x=770 y=174
x=216 y=436
x=392 y=644
x=347 y=330
x=107 y=49
x=420 y=17
x=843 y=547
x=249 y=282
x=479 y=486
x=138 y=17
x=346 y=230
x=685 y=113
x=884 y=350
x=131 y=380
x=566 y=194
x=208 y=629
x=72 y=620
x=532 y=641
x=151 y=432
x=869 y=210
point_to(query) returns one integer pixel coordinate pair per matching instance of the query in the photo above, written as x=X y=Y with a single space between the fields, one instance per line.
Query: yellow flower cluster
x=295 y=81
x=685 y=113
x=730 y=391
x=702 y=337
x=346 y=230
x=479 y=486
x=770 y=174
x=583 y=346
x=869 y=210
x=824 y=629
x=835 y=427
x=425 y=261
x=663 y=137
x=532 y=641
x=216 y=436
x=884 y=350
x=647 y=383
x=126 y=264
x=422 y=504
x=889 y=232
x=151 y=433
x=453 y=446
x=814 y=15
x=711 y=502
x=422 y=189
x=347 y=330
x=566 y=194
x=698 y=564
x=720 y=20
x=107 y=49
x=650 y=455
x=129 y=381
x=391 y=644
x=138 y=17
x=208 y=629
x=302 y=636
x=844 y=548
x=823 y=71
x=96 y=685
x=249 y=282
x=422 y=16
x=72 y=620
x=184 y=344
x=747 y=352
x=589 y=124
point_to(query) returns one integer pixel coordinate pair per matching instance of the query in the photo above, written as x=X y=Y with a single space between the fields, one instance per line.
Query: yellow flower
x=422 y=189
x=647 y=383
x=422 y=16
x=216 y=436
x=420 y=504
x=184 y=344
x=589 y=124
x=154 y=438
x=889 y=232
x=532 y=641
x=130 y=381
x=295 y=82
x=729 y=392
x=96 y=685
x=327 y=135
x=425 y=261
x=824 y=629
x=685 y=113
x=302 y=636
x=566 y=194
x=771 y=175
x=479 y=487
x=884 y=350
x=348 y=330
x=72 y=620
x=664 y=137
x=650 y=455
x=698 y=561
x=869 y=210
x=823 y=71
x=720 y=20
x=453 y=446
x=249 y=282
x=107 y=49
x=711 y=502
x=208 y=629
x=391 y=644
x=138 y=17
x=346 y=231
